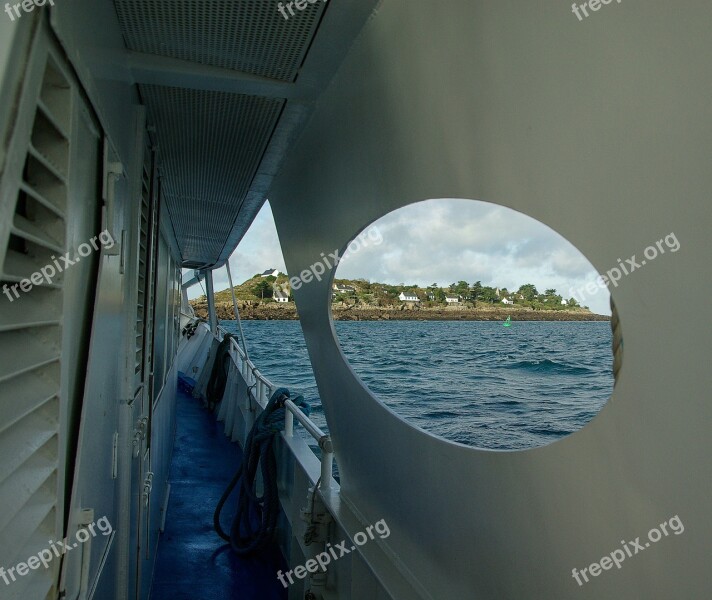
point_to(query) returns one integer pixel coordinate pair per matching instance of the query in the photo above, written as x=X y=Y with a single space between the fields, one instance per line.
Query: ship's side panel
x=601 y=130
x=50 y=215
x=87 y=380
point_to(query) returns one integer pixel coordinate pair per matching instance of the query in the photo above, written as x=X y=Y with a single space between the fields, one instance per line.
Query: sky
x=441 y=241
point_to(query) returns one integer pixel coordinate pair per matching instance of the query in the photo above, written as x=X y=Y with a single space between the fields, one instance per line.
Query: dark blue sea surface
x=474 y=382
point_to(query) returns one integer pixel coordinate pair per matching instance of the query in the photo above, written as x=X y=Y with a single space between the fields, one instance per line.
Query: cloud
x=259 y=250
x=445 y=241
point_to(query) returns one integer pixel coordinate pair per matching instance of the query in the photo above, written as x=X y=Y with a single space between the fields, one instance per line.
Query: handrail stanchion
x=327 y=463
x=258 y=386
x=288 y=423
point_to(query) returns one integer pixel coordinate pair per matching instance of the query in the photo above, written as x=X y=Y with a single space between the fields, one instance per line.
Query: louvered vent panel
x=143 y=283
x=244 y=35
x=211 y=146
x=30 y=341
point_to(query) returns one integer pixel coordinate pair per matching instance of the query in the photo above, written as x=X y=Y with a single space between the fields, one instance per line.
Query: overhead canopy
x=227 y=85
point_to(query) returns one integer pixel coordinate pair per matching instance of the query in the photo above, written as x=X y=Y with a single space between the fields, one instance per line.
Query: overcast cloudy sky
x=441 y=241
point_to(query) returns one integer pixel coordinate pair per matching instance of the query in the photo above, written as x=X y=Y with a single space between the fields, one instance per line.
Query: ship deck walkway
x=192 y=561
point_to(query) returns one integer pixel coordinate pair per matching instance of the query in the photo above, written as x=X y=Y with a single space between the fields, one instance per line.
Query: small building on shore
x=408 y=297
x=341 y=288
x=453 y=299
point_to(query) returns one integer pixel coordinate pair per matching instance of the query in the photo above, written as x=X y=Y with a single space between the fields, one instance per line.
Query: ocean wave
x=547 y=365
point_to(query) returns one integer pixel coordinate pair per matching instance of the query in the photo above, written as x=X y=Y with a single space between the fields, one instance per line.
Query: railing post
x=258 y=386
x=288 y=423
x=210 y=299
x=327 y=463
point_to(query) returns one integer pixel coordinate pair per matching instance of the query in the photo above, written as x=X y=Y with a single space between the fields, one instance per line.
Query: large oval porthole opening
x=476 y=323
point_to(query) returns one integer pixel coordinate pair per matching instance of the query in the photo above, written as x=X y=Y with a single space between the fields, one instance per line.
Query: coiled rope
x=218 y=375
x=255 y=519
x=617 y=342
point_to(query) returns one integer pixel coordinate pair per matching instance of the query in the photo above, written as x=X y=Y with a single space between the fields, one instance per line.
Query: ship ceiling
x=227 y=85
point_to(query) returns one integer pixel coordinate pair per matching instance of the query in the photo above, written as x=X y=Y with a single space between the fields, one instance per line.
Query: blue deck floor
x=193 y=562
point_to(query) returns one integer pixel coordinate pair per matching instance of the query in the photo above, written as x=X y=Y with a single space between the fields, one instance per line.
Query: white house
x=563 y=302
x=343 y=289
x=507 y=301
x=280 y=296
x=408 y=297
x=452 y=299
x=272 y=272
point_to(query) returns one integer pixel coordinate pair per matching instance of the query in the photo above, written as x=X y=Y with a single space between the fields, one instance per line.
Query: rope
x=218 y=376
x=255 y=519
x=237 y=312
x=617 y=341
x=310 y=534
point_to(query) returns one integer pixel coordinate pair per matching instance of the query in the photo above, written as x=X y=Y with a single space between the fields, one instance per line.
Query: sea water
x=474 y=382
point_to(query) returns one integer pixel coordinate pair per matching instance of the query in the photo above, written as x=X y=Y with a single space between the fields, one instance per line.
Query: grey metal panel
x=600 y=130
x=162 y=435
x=108 y=477
x=162 y=308
x=249 y=36
x=40 y=376
x=106 y=372
x=88 y=31
x=211 y=143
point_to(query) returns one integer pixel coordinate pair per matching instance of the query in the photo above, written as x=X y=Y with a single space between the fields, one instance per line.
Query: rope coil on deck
x=256 y=516
x=617 y=341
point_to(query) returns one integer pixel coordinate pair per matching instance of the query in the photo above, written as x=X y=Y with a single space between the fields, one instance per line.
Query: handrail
x=324 y=440
x=292 y=410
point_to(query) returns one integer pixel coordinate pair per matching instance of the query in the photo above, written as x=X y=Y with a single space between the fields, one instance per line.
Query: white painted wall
x=601 y=130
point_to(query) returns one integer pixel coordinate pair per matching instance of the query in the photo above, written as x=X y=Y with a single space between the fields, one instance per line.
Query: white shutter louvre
x=30 y=341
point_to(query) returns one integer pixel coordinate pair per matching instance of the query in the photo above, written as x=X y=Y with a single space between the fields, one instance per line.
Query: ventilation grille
x=211 y=146
x=244 y=35
x=30 y=340
x=143 y=284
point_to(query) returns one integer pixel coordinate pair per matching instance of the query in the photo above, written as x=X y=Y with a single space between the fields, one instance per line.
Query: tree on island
x=489 y=294
x=461 y=288
x=263 y=289
x=476 y=290
x=529 y=291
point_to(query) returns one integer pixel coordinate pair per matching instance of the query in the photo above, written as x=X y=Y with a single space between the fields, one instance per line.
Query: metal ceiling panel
x=249 y=36
x=211 y=74
x=210 y=146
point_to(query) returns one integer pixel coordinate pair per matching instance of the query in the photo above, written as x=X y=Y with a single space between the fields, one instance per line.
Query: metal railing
x=263 y=390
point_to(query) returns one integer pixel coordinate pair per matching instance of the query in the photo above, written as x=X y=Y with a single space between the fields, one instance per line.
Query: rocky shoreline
x=256 y=311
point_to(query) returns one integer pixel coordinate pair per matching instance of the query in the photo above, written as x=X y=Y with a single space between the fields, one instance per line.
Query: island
x=268 y=296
